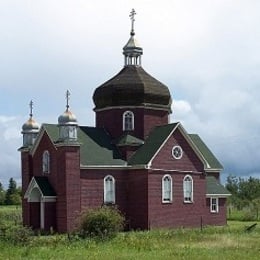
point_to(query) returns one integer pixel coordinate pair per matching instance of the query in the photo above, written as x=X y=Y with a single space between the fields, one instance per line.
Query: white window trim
x=164 y=200
x=217 y=205
x=46 y=162
x=133 y=120
x=191 y=197
x=173 y=155
x=112 y=201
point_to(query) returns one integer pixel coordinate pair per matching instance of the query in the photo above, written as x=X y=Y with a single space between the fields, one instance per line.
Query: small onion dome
x=132 y=48
x=67 y=118
x=31 y=126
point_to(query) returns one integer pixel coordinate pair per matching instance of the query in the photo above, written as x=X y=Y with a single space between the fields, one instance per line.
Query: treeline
x=11 y=196
x=245 y=195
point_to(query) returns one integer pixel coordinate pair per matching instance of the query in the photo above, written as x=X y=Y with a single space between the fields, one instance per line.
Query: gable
x=154 y=141
x=39 y=189
x=158 y=138
x=185 y=160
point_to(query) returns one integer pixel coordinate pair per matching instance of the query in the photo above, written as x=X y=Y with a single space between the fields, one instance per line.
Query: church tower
x=30 y=129
x=132 y=102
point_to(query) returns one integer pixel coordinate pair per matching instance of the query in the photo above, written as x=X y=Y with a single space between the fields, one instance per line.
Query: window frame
x=167 y=199
x=46 y=162
x=109 y=199
x=125 y=122
x=187 y=199
x=215 y=205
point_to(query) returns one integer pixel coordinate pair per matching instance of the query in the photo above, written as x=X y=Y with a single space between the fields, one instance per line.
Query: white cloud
x=206 y=52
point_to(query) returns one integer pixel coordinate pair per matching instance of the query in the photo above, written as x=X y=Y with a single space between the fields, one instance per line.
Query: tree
x=12 y=196
x=2 y=194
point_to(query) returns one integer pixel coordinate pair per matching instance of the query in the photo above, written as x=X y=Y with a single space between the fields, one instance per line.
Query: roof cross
x=132 y=17
x=67 y=99
x=31 y=108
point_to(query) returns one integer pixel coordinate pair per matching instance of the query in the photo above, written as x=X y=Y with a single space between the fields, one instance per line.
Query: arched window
x=109 y=190
x=46 y=162
x=166 y=189
x=188 y=189
x=128 y=121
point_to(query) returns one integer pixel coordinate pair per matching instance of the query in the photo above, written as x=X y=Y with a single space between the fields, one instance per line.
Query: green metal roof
x=95 y=145
x=44 y=186
x=215 y=188
x=128 y=140
x=206 y=153
x=153 y=142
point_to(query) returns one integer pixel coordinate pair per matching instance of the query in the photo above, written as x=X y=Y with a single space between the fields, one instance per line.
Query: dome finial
x=67 y=100
x=31 y=109
x=132 y=17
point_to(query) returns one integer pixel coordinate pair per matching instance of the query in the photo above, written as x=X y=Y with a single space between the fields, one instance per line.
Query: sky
x=206 y=51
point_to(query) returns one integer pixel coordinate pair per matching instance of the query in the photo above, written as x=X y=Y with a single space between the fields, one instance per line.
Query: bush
x=17 y=235
x=101 y=223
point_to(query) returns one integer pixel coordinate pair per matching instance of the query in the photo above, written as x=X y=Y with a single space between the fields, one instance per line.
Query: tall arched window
x=109 y=189
x=46 y=162
x=128 y=121
x=188 y=189
x=166 y=189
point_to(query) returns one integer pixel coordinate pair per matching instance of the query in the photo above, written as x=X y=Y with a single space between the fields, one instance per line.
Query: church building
x=157 y=174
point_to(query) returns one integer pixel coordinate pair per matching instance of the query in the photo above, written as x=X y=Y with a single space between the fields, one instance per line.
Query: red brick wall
x=137 y=199
x=216 y=218
x=92 y=188
x=177 y=213
x=188 y=162
x=50 y=216
x=67 y=187
x=145 y=120
x=26 y=172
x=131 y=193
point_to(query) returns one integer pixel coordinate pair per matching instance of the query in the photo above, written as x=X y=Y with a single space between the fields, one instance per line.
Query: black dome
x=132 y=86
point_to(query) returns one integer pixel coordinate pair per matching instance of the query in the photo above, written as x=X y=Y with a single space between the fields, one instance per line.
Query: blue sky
x=206 y=52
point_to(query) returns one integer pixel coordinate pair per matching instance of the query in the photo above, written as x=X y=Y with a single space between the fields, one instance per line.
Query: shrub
x=101 y=223
x=17 y=235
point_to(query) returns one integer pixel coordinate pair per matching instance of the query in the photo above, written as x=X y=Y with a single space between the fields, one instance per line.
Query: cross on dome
x=67 y=99
x=31 y=108
x=132 y=17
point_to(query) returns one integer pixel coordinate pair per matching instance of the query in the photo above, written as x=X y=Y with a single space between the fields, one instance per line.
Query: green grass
x=229 y=242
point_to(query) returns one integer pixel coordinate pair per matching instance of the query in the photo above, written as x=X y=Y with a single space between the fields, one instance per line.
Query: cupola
x=67 y=123
x=132 y=86
x=30 y=129
x=132 y=50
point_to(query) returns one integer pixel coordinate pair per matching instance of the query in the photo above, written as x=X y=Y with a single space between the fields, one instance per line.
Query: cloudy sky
x=206 y=51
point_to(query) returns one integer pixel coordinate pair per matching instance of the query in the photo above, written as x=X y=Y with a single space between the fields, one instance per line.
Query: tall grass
x=228 y=242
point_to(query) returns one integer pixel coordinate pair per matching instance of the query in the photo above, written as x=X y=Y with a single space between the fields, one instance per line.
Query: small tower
x=30 y=129
x=132 y=50
x=67 y=123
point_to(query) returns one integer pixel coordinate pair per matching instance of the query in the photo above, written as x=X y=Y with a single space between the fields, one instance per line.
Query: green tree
x=2 y=194
x=12 y=196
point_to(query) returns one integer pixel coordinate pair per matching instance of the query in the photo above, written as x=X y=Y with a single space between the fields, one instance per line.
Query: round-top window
x=177 y=152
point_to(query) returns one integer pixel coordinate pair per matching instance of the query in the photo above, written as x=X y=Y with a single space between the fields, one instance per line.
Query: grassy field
x=229 y=242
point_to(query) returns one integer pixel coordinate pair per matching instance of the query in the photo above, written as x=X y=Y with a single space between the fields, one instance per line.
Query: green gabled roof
x=44 y=186
x=153 y=142
x=52 y=130
x=206 y=153
x=96 y=147
x=128 y=140
x=215 y=188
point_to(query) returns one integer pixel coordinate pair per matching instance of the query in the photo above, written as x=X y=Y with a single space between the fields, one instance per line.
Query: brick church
x=156 y=173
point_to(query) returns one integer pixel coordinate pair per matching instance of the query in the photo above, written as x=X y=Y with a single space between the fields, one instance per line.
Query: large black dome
x=132 y=86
